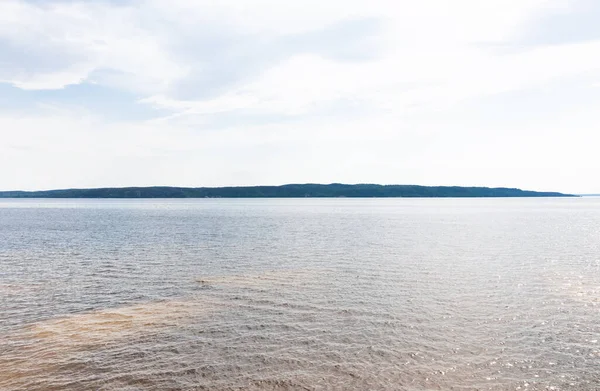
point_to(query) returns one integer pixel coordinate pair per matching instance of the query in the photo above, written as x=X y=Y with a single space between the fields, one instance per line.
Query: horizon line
x=281 y=185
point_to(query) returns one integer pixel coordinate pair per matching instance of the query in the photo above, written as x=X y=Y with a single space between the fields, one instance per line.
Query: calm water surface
x=315 y=294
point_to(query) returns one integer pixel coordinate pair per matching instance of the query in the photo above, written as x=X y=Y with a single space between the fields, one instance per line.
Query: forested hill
x=285 y=191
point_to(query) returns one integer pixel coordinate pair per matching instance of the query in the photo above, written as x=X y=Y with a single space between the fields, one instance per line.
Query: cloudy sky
x=232 y=92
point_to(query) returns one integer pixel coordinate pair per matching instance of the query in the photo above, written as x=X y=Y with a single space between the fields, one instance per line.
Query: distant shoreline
x=334 y=190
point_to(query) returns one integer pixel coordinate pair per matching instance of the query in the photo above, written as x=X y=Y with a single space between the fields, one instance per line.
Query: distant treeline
x=285 y=191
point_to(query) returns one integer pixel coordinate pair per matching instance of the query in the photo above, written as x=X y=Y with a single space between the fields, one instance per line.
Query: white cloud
x=271 y=92
x=139 y=41
x=75 y=39
x=303 y=83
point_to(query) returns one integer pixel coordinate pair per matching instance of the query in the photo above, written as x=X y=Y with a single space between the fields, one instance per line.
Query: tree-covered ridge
x=285 y=191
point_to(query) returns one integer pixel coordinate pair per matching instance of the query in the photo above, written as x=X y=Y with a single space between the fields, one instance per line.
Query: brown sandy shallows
x=109 y=324
x=58 y=348
x=16 y=289
x=47 y=347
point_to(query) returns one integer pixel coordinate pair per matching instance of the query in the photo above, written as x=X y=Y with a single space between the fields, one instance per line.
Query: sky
x=501 y=93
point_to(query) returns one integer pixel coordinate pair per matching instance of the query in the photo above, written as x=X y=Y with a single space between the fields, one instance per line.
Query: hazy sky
x=243 y=92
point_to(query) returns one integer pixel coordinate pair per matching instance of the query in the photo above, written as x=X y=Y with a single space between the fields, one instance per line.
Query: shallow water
x=315 y=294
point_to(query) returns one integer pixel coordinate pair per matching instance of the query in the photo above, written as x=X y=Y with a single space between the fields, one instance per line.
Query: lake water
x=300 y=294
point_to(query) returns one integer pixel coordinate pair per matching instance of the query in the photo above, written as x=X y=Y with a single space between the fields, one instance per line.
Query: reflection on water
x=300 y=295
x=582 y=285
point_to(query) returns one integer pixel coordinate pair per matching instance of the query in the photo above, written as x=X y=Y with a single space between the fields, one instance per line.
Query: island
x=285 y=191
